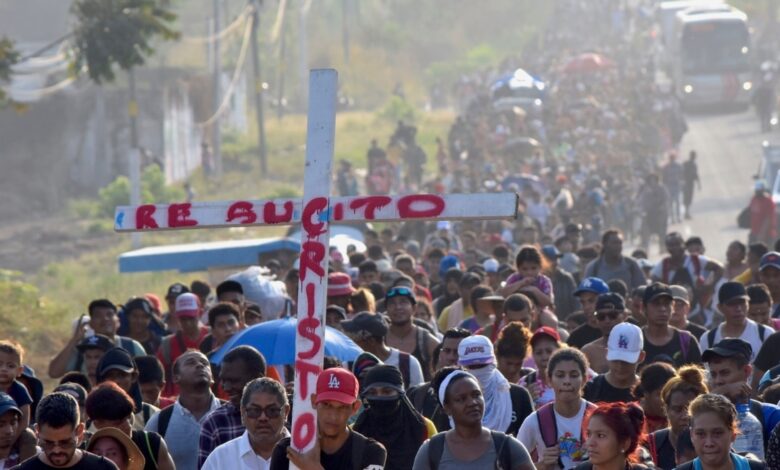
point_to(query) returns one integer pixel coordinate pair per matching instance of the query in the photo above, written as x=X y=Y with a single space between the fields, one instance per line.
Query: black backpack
x=762 y=333
x=503 y=462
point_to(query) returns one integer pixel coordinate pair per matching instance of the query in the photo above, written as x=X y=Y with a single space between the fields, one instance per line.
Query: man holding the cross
x=338 y=447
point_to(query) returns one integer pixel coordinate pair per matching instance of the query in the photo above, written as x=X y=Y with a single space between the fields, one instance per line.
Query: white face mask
x=483 y=374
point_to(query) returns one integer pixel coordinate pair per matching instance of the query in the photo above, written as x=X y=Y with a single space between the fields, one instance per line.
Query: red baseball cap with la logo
x=337 y=384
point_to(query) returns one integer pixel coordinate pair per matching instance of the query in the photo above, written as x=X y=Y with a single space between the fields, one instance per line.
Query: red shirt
x=171 y=348
x=763 y=219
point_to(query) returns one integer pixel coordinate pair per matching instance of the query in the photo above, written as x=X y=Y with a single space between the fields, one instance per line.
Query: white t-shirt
x=658 y=270
x=750 y=335
x=415 y=371
x=569 y=438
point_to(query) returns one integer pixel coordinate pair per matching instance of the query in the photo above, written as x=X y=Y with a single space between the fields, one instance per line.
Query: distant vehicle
x=711 y=59
x=519 y=89
x=666 y=16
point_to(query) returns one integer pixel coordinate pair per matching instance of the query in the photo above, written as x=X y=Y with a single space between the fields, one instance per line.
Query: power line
x=231 y=28
x=236 y=75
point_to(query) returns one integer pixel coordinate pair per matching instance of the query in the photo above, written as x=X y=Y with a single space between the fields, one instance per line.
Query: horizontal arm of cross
x=178 y=216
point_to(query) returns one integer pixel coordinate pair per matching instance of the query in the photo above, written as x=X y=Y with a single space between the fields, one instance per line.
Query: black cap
x=656 y=290
x=731 y=291
x=176 y=290
x=571 y=228
x=75 y=390
x=138 y=303
x=610 y=301
x=373 y=323
x=229 y=286
x=339 y=310
x=729 y=347
x=384 y=375
x=8 y=404
x=253 y=309
x=116 y=358
x=96 y=341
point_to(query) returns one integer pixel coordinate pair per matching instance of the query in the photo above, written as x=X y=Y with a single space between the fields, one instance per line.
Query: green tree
x=8 y=57
x=117 y=32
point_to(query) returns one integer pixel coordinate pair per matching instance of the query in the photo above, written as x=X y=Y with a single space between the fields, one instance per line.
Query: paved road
x=729 y=149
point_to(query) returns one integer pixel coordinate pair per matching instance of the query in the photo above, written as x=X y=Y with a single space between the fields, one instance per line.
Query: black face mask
x=383 y=406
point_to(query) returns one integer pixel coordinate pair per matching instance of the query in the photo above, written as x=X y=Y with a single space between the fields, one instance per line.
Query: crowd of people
x=532 y=343
x=470 y=364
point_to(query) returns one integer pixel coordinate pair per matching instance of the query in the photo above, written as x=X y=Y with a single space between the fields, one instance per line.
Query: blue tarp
x=193 y=257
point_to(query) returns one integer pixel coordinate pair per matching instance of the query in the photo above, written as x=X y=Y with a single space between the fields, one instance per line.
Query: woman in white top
x=554 y=433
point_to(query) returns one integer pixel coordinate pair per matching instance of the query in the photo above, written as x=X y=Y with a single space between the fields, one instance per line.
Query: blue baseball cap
x=592 y=284
x=446 y=263
x=551 y=252
x=8 y=404
x=769 y=260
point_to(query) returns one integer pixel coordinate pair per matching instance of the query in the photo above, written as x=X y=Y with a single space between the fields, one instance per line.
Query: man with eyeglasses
x=180 y=424
x=59 y=432
x=264 y=410
x=403 y=334
x=610 y=310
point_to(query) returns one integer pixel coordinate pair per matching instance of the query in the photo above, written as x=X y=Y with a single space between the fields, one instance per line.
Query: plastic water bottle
x=751 y=436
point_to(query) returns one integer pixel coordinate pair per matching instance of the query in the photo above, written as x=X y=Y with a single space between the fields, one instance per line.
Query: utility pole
x=134 y=160
x=282 y=68
x=303 y=53
x=258 y=88
x=345 y=30
x=216 y=137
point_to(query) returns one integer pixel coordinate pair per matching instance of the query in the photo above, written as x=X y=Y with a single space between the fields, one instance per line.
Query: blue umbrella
x=276 y=340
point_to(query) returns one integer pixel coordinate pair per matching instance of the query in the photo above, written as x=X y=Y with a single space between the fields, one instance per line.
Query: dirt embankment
x=29 y=245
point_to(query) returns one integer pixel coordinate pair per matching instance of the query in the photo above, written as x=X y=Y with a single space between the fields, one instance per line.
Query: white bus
x=711 y=56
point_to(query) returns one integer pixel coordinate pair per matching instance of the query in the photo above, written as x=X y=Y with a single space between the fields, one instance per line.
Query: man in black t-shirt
x=663 y=342
x=59 y=433
x=624 y=353
x=338 y=447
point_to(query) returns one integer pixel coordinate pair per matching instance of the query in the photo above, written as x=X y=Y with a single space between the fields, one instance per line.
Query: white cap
x=490 y=265
x=187 y=305
x=475 y=350
x=443 y=225
x=625 y=343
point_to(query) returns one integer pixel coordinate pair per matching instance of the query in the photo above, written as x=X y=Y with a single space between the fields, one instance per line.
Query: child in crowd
x=529 y=278
x=11 y=357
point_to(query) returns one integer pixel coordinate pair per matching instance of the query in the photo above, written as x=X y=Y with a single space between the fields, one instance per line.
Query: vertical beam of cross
x=313 y=281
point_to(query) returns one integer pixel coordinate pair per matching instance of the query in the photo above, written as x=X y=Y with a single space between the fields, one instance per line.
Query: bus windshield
x=715 y=47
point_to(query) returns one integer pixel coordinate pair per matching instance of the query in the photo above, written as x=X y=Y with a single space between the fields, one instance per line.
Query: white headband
x=446 y=383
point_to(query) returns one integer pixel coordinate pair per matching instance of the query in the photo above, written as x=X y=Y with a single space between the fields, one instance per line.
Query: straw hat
x=136 y=460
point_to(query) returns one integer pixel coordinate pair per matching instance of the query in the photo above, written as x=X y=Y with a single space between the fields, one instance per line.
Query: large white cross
x=315 y=212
